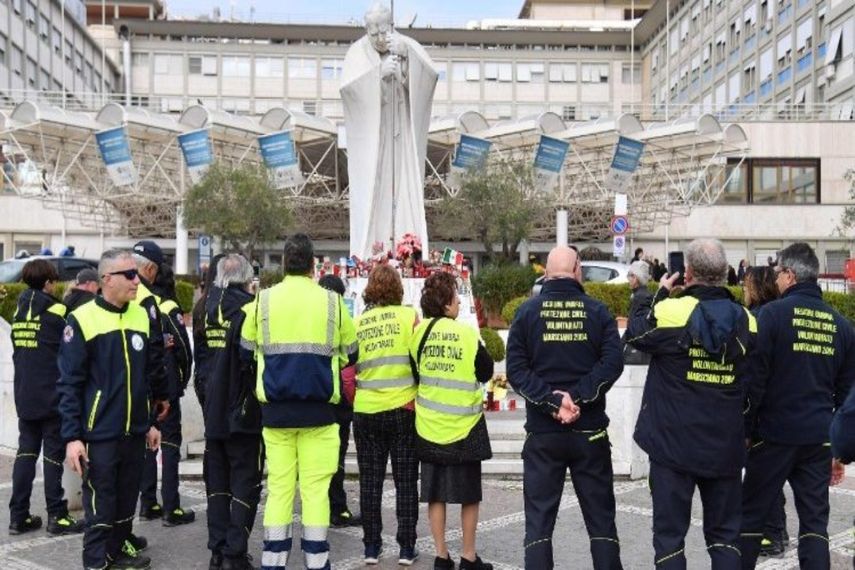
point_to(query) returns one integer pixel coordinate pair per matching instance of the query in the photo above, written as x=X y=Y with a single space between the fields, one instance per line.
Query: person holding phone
x=107 y=373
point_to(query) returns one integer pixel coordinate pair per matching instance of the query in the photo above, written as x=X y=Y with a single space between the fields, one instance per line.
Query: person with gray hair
x=640 y=301
x=802 y=371
x=234 y=269
x=232 y=419
x=690 y=423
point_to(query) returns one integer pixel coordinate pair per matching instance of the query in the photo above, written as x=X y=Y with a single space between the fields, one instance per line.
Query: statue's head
x=378 y=24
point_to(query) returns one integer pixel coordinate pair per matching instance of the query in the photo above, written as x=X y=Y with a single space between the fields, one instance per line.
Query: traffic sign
x=619 y=246
x=619 y=225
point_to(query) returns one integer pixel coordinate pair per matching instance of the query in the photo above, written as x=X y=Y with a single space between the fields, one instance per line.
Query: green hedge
x=494 y=344
x=509 y=311
x=9 y=293
x=495 y=285
x=185 y=291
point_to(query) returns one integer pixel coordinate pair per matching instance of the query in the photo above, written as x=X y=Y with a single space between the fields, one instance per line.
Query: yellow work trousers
x=309 y=455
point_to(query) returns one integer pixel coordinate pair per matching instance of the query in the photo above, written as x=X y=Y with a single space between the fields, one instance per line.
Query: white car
x=596 y=272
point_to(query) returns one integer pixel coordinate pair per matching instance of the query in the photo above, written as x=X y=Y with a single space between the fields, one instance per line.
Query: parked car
x=68 y=267
x=596 y=272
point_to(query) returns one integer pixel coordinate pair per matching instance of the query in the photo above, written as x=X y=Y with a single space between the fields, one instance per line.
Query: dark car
x=68 y=267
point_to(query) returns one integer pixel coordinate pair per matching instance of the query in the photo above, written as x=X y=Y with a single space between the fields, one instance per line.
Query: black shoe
x=345 y=519
x=65 y=524
x=443 y=563
x=771 y=548
x=476 y=565
x=137 y=543
x=32 y=522
x=151 y=512
x=242 y=563
x=216 y=562
x=179 y=516
x=127 y=561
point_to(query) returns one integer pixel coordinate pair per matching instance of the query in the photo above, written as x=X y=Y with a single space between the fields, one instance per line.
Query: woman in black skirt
x=450 y=364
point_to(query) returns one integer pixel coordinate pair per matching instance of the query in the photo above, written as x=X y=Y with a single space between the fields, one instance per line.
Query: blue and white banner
x=549 y=160
x=116 y=153
x=198 y=153
x=624 y=164
x=280 y=156
x=471 y=152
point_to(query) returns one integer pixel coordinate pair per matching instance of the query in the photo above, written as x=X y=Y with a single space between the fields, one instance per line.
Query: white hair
x=233 y=269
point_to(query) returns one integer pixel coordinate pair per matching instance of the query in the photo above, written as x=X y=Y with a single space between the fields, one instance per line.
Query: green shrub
x=494 y=344
x=270 y=278
x=184 y=292
x=509 y=311
x=495 y=285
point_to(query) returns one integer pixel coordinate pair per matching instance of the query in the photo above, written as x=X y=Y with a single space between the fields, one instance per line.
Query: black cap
x=150 y=251
x=87 y=276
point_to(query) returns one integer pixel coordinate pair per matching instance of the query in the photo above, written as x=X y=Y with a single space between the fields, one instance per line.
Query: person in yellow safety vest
x=301 y=335
x=385 y=419
x=451 y=364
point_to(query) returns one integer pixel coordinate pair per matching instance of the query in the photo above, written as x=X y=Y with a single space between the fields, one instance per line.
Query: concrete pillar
x=561 y=226
x=523 y=252
x=181 y=237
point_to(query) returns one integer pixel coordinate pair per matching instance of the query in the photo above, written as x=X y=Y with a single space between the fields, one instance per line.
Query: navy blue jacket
x=105 y=362
x=843 y=430
x=803 y=369
x=36 y=332
x=564 y=340
x=691 y=410
x=230 y=403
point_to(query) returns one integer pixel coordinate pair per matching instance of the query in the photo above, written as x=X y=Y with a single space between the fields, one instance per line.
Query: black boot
x=443 y=563
x=476 y=565
x=216 y=561
x=31 y=522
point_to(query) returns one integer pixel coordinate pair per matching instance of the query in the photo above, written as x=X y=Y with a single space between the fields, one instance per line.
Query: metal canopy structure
x=684 y=164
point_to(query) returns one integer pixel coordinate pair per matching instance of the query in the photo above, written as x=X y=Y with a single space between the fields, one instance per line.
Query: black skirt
x=455 y=484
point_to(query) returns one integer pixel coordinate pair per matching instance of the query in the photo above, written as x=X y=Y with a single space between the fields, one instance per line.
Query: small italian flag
x=452 y=257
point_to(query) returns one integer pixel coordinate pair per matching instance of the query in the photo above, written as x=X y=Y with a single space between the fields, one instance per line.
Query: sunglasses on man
x=129 y=274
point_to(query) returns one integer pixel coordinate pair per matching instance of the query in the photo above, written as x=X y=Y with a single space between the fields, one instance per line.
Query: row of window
x=772 y=181
x=330 y=69
x=716 y=47
x=38 y=77
x=775 y=65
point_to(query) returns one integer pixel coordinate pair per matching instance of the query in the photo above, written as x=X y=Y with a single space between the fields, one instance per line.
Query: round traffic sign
x=619 y=225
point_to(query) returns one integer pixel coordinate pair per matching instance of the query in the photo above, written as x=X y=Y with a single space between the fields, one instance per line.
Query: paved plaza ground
x=499 y=536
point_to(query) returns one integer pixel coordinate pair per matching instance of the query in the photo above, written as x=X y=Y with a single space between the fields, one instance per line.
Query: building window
x=463 y=71
x=772 y=181
x=202 y=65
x=44 y=28
x=595 y=73
x=302 y=68
x=45 y=80
x=4 y=47
x=530 y=73
x=631 y=74
x=32 y=72
x=310 y=107
x=331 y=69
x=56 y=39
x=562 y=73
x=168 y=64
x=17 y=61
x=16 y=5
x=31 y=15
x=568 y=112
x=69 y=53
x=236 y=66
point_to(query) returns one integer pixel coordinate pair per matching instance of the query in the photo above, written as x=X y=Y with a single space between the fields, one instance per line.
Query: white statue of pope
x=387 y=90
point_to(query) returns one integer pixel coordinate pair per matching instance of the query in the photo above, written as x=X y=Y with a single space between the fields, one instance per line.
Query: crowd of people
x=283 y=372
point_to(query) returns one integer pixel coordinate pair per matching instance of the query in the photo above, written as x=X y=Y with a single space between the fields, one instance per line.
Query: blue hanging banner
x=626 y=159
x=198 y=153
x=280 y=156
x=116 y=153
x=471 y=152
x=549 y=160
